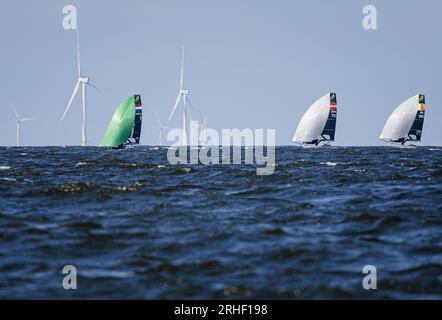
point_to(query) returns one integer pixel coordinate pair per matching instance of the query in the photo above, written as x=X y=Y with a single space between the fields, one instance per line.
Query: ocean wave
x=81 y=164
x=331 y=164
x=132 y=220
x=66 y=188
x=8 y=179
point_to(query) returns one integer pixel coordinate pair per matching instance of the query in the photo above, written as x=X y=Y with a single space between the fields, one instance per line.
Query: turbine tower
x=202 y=137
x=18 y=123
x=83 y=82
x=162 y=128
x=182 y=95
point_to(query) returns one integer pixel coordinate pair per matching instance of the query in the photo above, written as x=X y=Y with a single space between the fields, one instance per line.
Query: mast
x=18 y=134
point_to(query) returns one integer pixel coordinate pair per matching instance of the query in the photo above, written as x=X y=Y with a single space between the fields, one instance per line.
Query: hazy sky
x=249 y=64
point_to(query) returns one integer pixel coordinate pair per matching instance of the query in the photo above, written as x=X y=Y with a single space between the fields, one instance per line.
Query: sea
x=329 y=223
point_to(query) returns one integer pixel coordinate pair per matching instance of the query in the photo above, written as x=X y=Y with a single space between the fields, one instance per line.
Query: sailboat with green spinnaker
x=125 y=126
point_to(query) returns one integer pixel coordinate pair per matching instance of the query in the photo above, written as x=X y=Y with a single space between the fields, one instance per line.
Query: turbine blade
x=176 y=105
x=90 y=84
x=28 y=119
x=190 y=103
x=158 y=119
x=15 y=111
x=182 y=71
x=78 y=53
x=74 y=93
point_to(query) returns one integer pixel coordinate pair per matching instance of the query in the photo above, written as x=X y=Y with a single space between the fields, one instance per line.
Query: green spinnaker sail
x=121 y=125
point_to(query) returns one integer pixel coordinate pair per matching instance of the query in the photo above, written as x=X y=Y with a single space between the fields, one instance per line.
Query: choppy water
x=137 y=227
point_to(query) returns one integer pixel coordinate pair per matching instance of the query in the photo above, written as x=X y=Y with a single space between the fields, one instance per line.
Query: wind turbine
x=161 y=126
x=19 y=122
x=83 y=82
x=182 y=95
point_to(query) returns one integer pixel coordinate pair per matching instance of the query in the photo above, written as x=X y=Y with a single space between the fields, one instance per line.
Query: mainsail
x=136 y=131
x=318 y=122
x=125 y=125
x=406 y=122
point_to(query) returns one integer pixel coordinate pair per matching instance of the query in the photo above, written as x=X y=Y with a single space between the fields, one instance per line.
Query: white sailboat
x=405 y=123
x=318 y=123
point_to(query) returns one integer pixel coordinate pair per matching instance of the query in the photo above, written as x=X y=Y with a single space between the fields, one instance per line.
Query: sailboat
x=124 y=129
x=406 y=122
x=318 y=123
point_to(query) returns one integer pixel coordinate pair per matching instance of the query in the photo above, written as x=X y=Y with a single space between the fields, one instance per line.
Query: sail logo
x=138 y=105
x=237 y=146
x=137 y=100
x=333 y=103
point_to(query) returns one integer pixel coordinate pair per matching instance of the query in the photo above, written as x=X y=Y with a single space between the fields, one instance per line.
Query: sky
x=249 y=64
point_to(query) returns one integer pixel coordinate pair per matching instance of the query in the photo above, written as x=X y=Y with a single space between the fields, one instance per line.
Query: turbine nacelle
x=185 y=92
x=84 y=80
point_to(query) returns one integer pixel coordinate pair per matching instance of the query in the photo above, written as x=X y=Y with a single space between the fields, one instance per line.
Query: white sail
x=399 y=122
x=313 y=121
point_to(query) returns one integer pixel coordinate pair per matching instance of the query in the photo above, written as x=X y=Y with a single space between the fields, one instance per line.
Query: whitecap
x=328 y=163
x=100 y=273
x=5 y=167
x=9 y=179
x=81 y=164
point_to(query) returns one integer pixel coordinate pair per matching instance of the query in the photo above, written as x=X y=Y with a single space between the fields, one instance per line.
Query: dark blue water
x=137 y=227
